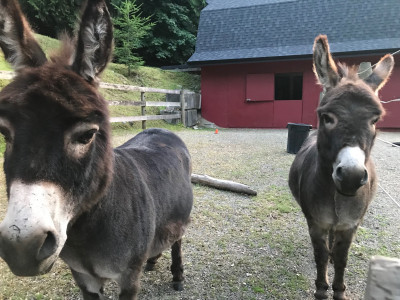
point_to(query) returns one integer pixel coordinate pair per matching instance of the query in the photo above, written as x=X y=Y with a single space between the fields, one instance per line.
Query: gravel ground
x=258 y=158
x=242 y=247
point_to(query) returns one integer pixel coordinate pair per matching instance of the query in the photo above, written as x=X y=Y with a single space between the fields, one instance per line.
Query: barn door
x=260 y=99
x=260 y=87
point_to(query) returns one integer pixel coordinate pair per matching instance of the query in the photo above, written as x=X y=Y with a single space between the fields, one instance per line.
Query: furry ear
x=19 y=46
x=324 y=67
x=381 y=73
x=95 y=41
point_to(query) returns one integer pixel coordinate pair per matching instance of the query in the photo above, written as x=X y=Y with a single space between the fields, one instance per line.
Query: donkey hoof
x=340 y=295
x=321 y=294
x=178 y=286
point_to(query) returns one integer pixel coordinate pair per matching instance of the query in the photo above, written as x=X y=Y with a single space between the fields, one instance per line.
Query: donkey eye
x=326 y=119
x=374 y=121
x=86 y=137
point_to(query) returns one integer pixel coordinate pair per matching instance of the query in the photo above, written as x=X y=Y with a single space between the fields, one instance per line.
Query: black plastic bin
x=297 y=133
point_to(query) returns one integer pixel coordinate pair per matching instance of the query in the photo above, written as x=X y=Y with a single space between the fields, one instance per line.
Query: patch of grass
x=4 y=65
x=3 y=82
x=49 y=45
x=286 y=283
x=116 y=73
x=276 y=199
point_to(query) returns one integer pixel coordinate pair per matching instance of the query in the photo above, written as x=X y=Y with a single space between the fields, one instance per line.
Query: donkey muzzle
x=33 y=231
x=349 y=171
x=28 y=256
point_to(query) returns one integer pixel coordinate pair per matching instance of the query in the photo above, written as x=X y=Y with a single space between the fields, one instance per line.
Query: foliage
x=172 y=39
x=129 y=30
x=51 y=17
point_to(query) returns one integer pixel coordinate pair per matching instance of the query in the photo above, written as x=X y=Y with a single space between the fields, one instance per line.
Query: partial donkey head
x=58 y=157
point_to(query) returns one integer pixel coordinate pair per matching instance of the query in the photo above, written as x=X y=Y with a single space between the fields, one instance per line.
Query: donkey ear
x=95 y=40
x=16 y=38
x=381 y=73
x=324 y=67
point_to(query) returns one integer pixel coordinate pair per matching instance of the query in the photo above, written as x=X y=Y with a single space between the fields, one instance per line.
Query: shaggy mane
x=348 y=72
x=66 y=53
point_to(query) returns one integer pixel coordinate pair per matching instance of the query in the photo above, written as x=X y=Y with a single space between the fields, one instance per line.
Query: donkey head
x=347 y=116
x=58 y=157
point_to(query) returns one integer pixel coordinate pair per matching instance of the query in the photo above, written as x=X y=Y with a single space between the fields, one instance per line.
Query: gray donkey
x=333 y=177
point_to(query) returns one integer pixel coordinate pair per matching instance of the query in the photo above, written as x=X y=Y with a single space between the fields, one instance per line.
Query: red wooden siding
x=225 y=89
x=260 y=87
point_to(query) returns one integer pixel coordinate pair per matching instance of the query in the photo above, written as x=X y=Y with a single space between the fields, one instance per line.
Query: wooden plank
x=144 y=118
x=223 y=184
x=143 y=103
x=383 y=279
x=192 y=101
x=132 y=88
x=7 y=75
x=161 y=103
x=190 y=117
x=143 y=108
x=126 y=103
x=183 y=108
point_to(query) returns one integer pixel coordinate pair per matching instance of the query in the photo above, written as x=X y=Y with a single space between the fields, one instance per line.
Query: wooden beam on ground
x=221 y=184
x=383 y=279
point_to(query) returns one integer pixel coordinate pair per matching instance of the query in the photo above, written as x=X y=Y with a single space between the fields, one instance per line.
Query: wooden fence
x=189 y=103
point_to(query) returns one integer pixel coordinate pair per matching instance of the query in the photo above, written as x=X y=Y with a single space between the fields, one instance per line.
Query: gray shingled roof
x=236 y=30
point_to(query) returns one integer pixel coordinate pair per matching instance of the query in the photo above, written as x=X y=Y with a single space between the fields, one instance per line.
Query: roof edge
x=377 y=52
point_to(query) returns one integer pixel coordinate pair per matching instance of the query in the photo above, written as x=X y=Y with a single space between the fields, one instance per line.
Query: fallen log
x=221 y=184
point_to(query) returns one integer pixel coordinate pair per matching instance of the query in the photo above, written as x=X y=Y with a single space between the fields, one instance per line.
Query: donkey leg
x=321 y=255
x=177 y=265
x=151 y=262
x=340 y=253
x=91 y=287
x=130 y=281
x=331 y=241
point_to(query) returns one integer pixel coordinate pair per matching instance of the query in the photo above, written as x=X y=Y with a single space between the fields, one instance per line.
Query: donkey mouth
x=347 y=193
x=28 y=270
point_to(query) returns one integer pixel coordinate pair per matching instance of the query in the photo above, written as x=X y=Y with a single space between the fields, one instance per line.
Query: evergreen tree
x=129 y=30
x=172 y=39
x=52 y=17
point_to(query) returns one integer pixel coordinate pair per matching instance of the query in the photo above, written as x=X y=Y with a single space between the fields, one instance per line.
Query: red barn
x=256 y=56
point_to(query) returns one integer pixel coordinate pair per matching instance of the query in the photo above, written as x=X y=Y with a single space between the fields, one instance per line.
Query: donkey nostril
x=49 y=246
x=339 y=173
x=364 y=180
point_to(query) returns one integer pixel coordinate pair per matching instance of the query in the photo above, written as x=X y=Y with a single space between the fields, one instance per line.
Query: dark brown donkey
x=70 y=195
x=333 y=177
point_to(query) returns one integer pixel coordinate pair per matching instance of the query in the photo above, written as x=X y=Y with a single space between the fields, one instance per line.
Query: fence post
x=143 y=108
x=183 y=107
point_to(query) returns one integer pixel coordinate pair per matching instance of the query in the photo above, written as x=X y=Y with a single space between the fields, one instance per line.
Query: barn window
x=288 y=86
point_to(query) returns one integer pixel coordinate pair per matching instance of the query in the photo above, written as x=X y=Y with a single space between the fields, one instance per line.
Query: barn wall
x=224 y=96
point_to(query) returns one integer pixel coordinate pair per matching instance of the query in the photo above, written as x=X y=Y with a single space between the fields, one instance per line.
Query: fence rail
x=183 y=104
